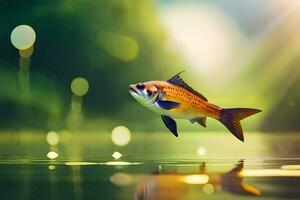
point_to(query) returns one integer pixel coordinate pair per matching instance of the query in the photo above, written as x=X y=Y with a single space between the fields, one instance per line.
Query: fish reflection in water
x=166 y=185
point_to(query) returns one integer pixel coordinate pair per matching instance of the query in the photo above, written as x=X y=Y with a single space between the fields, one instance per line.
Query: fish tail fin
x=231 y=118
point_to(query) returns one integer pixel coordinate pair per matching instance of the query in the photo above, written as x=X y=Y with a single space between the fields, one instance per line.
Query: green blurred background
x=236 y=53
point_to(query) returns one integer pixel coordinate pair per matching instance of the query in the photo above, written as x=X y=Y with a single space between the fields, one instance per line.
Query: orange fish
x=172 y=185
x=176 y=99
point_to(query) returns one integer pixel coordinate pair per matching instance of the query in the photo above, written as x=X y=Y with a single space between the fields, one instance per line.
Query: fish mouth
x=132 y=90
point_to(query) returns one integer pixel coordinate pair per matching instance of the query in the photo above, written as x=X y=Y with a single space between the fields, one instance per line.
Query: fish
x=157 y=186
x=175 y=99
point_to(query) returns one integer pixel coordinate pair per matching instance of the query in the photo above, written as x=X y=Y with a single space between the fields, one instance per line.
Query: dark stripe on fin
x=179 y=82
x=170 y=124
x=199 y=120
x=231 y=119
x=168 y=105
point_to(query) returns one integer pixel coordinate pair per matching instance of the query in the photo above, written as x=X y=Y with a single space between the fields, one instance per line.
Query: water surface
x=153 y=166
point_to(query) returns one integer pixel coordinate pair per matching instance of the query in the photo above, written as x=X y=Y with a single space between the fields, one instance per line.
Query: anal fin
x=199 y=120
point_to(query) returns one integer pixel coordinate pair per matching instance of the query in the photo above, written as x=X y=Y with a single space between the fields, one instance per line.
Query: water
x=153 y=166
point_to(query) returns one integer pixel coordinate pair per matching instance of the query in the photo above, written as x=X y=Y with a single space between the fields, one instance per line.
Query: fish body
x=190 y=105
x=176 y=99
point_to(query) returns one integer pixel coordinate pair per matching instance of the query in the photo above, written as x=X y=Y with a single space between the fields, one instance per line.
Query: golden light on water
x=251 y=189
x=194 y=179
x=120 y=46
x=23 y=37
x=290 y=167
x=79 y=86
x=121 y=179
x=208 y=188
x=52 y=155
x=26 y=53
x=121 y=135
x=269 y=173
x=201 y=151
x=52 y=138
x=116 y=155
x=120 y=163
x=80 y=163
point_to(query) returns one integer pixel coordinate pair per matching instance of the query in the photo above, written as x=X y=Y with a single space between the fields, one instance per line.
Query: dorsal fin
x=178 y=81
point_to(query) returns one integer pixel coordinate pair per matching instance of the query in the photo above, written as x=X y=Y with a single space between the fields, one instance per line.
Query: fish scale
x=189 y=102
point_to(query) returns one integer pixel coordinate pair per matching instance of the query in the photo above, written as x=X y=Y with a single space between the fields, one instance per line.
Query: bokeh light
x=121 y=179
x=116 y=155
x=79 y=86
x=52 y=155
x=121 y=135
x=52 y=138
x=208 y=188
x=122 y=47
x=201 y=151
x=23 y=37
x=51 y=167
x=26 y=53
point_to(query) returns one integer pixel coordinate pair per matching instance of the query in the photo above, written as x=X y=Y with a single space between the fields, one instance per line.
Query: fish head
x=145 y=93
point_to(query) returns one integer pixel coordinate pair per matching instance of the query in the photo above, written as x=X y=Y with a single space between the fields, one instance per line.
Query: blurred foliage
x=115 y=43
x=110 y=43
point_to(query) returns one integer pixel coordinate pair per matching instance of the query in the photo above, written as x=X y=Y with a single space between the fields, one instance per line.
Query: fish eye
x=140 y=86
x=149 y=93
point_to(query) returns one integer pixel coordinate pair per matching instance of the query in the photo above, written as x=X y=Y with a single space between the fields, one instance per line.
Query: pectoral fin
x=168 y=105
x=199 y=120
x=170 y=124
